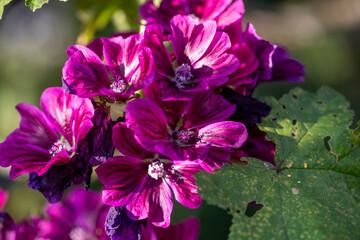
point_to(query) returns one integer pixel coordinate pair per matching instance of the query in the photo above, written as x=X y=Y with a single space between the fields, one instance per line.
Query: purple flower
x=49 y=137
x=143 y=181
x=128 y=60
x=195 y=132
x=256 y=146
x=199 y=51
x=119 y=226
x=186 y=230
x=259 y=60
x=223 y=12
x=81 y=216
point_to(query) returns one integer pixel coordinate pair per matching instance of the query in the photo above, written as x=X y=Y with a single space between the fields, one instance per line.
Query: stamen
x=118 y=85
x=183 y=75
x=156 y=170
x=57 y=147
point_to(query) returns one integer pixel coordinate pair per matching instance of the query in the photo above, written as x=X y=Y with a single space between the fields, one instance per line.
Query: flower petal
x=123 y=178
x=224 y=134
x=182 y=182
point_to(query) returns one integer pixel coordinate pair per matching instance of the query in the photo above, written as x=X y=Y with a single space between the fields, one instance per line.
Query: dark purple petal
x=153 y=38
x=94 y=62
x=249 y=111
x=207 y=108
x=215 y=159
x=53 y=183
x=224 y=134
x=34 y=128
x=79 y=77
x=126 y=143
x=148 y=121
x=124 y=179
x=98 y=146
x=119 y=226
x=257 y=146
x=285 y=68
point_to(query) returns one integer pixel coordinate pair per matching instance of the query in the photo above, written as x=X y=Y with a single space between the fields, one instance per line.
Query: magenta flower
x=200 y=56
x=223 y=12
x=144 y=181
x=129 y=62
x=186 y=230
x=198 y=132
x=48 y=137
x=81 y=216
x=259 y=60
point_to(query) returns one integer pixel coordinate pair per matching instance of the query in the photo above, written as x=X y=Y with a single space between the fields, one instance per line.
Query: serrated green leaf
x=313 y=193
x=35 y=4
x=2 y=5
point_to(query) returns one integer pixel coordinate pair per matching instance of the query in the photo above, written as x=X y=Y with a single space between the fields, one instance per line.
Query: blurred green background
x=323 y=34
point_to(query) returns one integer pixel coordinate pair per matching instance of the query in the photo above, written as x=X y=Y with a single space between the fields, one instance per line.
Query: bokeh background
x=323 y=34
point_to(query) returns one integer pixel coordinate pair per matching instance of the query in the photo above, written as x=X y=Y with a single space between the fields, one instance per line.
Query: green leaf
x=2 y=5
x=35 y=4
x=313 y=192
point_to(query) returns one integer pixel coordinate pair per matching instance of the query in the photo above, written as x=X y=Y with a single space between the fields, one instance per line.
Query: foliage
x=313 y=192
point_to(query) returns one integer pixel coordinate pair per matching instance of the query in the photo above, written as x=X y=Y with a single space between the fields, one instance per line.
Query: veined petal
x=82 y=113
x=125 y=142
x=34 y=128
x=56 y=105
x=182 y=182
x=206 y=108
x=124 y=179
x=59 y=159
x=153 y=39
x=147 y=115
x=215 y=159
x=224 y=134
x=94 y=62
x=189 y=39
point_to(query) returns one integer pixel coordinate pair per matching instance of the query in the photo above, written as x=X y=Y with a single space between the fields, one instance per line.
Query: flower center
x=118 y=85
x=59 y=145
x=183 y=136
x=79 y=233
x=156 y=170
x=183 y=75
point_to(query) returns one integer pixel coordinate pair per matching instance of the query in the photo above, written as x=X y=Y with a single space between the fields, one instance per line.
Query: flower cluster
x=151 y=110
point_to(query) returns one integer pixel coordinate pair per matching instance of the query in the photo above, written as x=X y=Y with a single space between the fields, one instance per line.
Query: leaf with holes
x=313 y=192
